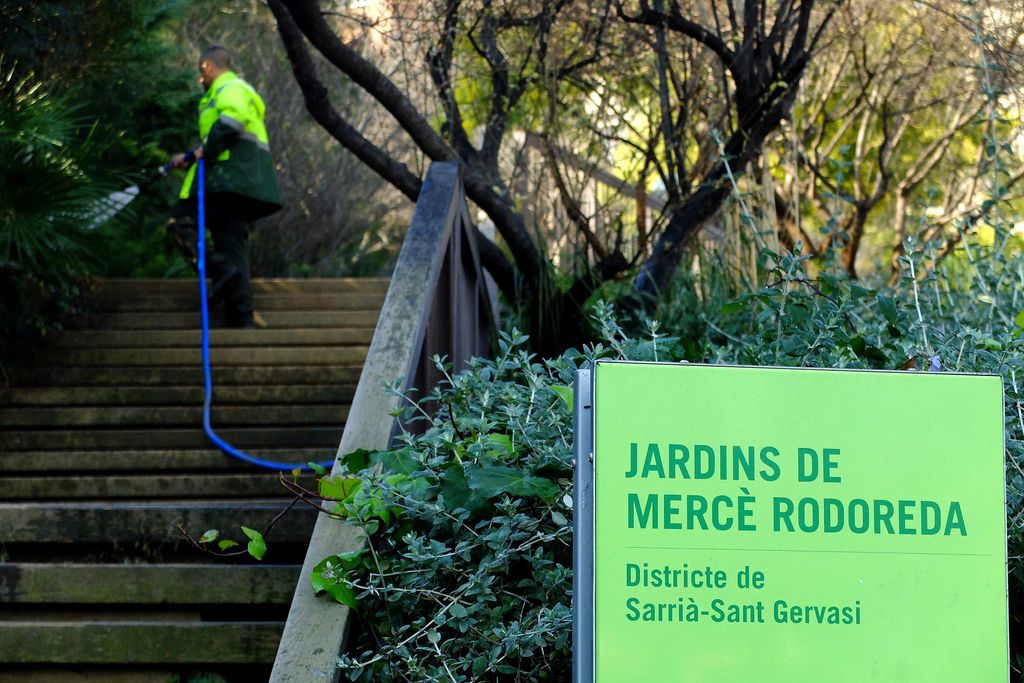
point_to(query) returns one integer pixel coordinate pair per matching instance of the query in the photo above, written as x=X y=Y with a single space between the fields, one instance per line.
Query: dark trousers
x=226 y=221
x=227 y=263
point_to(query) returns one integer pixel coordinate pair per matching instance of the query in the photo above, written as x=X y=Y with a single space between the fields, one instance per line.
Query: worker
x=240 y=182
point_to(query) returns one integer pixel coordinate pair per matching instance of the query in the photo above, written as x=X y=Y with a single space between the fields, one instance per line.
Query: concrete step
x=155 y=339
x=97 y=638
x=97 y=674
x=153 y=522
x=204 y=460
x=285 y=394
x=174 y=438
x=222 y=376
x=142 y=287
x=232 y=355
x=172 y=416
x=146 y=584
x=256 y=483
x=169 y=303
x=190 y=319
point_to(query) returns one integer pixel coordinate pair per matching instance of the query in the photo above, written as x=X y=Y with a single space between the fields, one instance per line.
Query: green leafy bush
x=468 y=569
x=92 y=100
x=467 y=572
x=50 y=186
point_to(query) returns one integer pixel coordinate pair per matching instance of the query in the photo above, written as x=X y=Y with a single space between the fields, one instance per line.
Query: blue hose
x=208 y=381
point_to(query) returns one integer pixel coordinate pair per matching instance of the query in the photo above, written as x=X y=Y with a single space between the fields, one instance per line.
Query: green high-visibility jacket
x=236 y=148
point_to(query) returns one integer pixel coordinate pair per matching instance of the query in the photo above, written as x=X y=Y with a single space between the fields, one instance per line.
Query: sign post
x=778 y=524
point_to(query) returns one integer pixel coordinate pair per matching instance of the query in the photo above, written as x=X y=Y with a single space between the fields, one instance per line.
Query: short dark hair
x=217 y=56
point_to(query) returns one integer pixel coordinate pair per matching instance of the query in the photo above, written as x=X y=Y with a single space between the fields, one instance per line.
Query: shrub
x=467 y=571
x=50 y=188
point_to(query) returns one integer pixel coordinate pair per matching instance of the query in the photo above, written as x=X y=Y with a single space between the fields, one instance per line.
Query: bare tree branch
x=572 y=206
x=440 y=59
x=327 y=116
x=676 y=22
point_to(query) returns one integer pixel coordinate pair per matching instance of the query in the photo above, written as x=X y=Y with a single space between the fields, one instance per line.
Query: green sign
x=797 y=525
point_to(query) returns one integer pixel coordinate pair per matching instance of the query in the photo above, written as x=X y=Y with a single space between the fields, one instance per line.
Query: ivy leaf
x=502 y=440
x=398 y=461
x=494 y=480
x=224 y=545
x=357 y=460
x=257 y=546
x=339 y=488
x=352 y=558
x=867 y=351
x=990 y=344
x=326 y=578
x=798 y=314
x=458 y=493
x=732 y=307
x=564 y=393
x=888 y=309
x=859 y=292
x=209 y=536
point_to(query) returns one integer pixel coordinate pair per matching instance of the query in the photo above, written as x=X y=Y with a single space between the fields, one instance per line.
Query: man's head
x=213 y=61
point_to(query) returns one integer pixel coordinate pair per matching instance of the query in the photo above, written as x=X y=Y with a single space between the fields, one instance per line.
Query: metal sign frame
x=584 y=615
x=583 y=529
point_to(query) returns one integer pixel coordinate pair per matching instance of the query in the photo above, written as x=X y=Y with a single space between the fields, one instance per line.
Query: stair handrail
x=438 y=302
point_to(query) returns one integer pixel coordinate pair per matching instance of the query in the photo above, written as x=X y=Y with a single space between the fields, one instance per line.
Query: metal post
x=583 y=530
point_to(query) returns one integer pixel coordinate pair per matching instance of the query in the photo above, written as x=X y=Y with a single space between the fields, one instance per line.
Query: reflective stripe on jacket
x=235 y=145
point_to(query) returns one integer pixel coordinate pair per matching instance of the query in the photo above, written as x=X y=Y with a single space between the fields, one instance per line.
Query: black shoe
x=228 y=275
x=249 y=323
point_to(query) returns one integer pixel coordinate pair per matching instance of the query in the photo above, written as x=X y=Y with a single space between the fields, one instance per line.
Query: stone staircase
x=102 y=457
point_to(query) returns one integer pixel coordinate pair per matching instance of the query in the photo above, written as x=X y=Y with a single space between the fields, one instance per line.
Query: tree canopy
x=846 y=114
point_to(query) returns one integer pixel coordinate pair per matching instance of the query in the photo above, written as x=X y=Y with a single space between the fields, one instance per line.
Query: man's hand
x=177 y=161
x=186 y=159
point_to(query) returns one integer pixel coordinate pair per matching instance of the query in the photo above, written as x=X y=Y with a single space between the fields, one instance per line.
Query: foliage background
x=89 y=106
